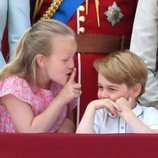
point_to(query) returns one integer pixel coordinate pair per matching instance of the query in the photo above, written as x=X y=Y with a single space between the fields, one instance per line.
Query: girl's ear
x=136 y=90
x=40 y=59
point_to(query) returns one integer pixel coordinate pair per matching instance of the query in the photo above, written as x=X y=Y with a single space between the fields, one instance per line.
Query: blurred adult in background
x=144 y=43
x=16 y=14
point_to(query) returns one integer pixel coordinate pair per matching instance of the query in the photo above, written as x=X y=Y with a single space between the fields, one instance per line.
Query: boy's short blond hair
x=123 y=67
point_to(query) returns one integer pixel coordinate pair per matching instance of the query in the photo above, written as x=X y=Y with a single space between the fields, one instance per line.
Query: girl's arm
x=22 y=115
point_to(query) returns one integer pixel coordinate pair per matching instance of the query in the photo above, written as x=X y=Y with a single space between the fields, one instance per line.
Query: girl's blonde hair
x=37 y=40
x=123 y=67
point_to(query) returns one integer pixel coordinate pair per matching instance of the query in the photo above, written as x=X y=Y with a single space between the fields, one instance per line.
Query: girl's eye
x=65 y=60
x=69 y=58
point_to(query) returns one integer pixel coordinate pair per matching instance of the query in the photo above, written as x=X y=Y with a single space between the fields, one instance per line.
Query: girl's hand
x=71 y=90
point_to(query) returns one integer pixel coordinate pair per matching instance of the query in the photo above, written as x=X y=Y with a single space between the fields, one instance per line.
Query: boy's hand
x=105 y=103
x=125 y=106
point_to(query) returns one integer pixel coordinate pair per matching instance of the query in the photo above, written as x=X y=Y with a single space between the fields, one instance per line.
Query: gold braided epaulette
x=52 y=9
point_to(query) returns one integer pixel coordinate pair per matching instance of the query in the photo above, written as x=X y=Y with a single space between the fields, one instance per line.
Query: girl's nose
x=71 y=63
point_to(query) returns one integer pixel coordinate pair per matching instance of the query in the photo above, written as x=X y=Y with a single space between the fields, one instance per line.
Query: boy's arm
x=87 y=122
x=137 y=125
x=130 y=118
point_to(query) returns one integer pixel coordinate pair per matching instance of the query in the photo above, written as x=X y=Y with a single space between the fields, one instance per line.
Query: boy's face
x=107 y=89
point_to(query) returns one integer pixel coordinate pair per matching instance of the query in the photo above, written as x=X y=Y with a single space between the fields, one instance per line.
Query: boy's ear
x=136 y=90
x=40 y=59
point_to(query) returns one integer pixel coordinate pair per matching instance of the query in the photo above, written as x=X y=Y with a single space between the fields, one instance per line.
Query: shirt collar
x=138 y=110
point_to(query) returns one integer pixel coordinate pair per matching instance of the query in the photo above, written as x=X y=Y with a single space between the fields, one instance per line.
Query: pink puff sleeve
x=18 y=87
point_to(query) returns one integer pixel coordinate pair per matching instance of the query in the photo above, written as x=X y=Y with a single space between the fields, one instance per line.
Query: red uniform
x=123 y=27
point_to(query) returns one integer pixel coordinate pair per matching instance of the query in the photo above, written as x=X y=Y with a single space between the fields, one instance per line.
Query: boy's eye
x=112 y=89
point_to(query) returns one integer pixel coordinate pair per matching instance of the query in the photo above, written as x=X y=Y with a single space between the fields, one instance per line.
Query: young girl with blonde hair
x=37 y=87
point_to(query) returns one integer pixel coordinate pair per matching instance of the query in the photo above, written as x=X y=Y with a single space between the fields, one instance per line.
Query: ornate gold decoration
x=97 y=11
x=86 y=7
x=82 y=18
x=114 y=14
x=82 y=30
x=52 y=9
x=82 y=8
x=38 y=5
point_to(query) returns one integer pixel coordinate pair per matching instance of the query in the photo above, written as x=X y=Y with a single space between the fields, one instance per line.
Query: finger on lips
x=72 y=76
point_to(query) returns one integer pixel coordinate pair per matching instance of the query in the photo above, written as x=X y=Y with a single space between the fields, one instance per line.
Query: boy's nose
x=104 y=95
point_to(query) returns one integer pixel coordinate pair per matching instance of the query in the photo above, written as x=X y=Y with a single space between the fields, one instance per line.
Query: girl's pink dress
x=19 y=88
